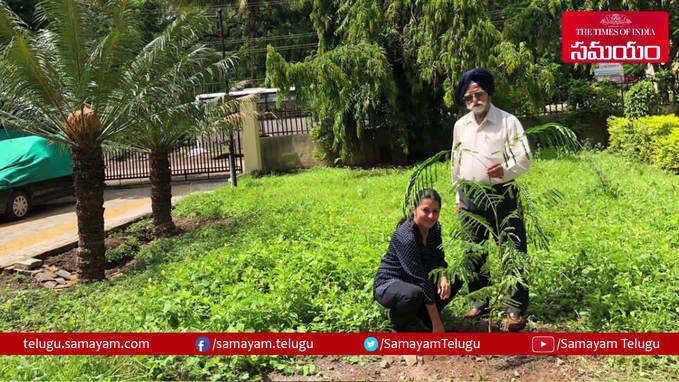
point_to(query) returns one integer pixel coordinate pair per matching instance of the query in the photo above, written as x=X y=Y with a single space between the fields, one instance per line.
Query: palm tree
x=78 y=82
x=170 y=114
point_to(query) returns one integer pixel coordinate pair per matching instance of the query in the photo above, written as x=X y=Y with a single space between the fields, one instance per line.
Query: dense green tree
x=250 y=25
x=340 y=87
x=153 y=16
x=285 y=25
x=429 y=44
x=427 y=51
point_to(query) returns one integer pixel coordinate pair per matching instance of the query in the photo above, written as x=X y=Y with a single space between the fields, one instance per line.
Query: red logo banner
x=339 y=343
x=624 y=37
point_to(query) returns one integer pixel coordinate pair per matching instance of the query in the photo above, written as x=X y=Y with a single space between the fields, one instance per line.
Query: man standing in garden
x=490 y=147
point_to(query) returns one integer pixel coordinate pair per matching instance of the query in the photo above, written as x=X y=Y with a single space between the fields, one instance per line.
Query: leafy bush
x=647 y=139
x=667 y=152
x=324 y=137
x=622 y=137
x=122 y=253
x=641 y=100
x=589 y=103
x=667 y=83
x=600 y=97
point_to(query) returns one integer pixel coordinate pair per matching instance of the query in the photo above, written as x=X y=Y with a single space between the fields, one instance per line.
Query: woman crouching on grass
x=402 y=284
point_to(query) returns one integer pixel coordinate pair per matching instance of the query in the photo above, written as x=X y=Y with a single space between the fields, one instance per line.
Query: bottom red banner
x=339 y=343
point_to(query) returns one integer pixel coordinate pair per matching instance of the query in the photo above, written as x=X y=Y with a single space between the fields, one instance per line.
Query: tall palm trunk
x=88 y=179
x=161 y=193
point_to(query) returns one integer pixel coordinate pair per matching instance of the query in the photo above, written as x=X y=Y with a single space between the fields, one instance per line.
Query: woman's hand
x=436 y=323
x=444 y=288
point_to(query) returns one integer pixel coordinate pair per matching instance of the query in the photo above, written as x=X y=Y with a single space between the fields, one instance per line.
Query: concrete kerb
x=70 y=246
x=116 y=226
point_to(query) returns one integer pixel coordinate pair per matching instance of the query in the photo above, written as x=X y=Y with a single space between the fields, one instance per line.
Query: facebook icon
x=202 y=344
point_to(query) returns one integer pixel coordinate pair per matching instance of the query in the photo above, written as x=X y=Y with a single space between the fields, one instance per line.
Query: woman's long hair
x=427 y=193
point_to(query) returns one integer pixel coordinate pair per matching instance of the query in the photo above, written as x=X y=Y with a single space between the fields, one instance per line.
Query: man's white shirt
x=498 y=139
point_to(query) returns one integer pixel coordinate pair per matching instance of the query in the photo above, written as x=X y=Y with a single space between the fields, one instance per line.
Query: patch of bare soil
x=456 y=368
x=186 y=225
x=67 y=261
x=17 y=282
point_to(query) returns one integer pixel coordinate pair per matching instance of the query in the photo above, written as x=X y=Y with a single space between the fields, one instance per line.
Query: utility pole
x=232 y=160
x=253 y=9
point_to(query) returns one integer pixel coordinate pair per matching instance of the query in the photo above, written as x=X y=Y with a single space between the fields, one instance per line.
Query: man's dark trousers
x=477 y=233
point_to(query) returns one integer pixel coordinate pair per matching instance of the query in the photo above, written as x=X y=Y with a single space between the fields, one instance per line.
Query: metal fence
x=552 y=110
x=205 y=155
x=285 y=120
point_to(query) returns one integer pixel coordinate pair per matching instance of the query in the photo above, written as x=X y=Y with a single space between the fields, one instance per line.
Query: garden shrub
x=641 y=100
x=587 y=126
x=621 y=134
x=589 y=103
x=667 y=83
x=121 y=254
x=653 y=139
x=596 y=97
x=667 y=153
x=324 y=137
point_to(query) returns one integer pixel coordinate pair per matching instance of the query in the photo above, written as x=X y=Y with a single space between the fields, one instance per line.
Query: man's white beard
x=479 y=108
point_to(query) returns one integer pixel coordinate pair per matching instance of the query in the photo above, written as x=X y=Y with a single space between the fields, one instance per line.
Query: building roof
x=239 y=93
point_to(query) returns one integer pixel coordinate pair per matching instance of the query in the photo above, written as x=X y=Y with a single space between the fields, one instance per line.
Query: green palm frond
x=116 y=48
x=154 y=72
x=89 y=56
x=185 y=30
x=11 y=25
x=26 y=72
x=164 y=109
x=529 y=209
x=166 y=115
x=48 y=75
x=74 y=37
x=161 y=127
x=31 y=93
x=423 y=177
x=553 y=135
x=160 y=84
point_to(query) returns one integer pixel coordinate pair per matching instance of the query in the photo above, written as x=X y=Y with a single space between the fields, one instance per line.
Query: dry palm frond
x=228 y=114
x=81 y=123
x=233 y=119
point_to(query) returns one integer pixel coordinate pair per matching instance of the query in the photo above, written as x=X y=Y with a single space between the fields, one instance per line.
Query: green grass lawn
x=299 y=253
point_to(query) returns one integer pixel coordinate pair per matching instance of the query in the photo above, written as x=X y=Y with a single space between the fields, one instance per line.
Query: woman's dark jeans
x=407 y=308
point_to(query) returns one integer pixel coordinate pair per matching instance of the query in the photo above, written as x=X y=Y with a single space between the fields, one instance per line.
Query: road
x=54 y=225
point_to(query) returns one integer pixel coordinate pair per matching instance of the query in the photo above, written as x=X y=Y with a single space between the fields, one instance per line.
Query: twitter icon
x=370 y=344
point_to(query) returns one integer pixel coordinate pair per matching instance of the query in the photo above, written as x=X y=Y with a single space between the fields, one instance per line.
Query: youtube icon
x=543 y=344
